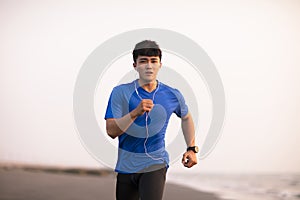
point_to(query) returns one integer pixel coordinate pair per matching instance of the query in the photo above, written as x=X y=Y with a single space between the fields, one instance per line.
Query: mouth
x=148 y=73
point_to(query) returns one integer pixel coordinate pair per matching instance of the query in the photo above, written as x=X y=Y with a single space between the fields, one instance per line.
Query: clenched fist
x=145 y=105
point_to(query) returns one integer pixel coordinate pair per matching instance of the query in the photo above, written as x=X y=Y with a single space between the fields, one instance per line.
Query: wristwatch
x=195 y=149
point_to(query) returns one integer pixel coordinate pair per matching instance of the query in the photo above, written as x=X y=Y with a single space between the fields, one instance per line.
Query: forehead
x=148 y=58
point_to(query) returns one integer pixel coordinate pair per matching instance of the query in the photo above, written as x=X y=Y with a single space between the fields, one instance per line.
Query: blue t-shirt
x=138 y=151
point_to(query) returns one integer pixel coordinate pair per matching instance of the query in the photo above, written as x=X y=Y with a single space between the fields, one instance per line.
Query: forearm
x=188 y=130
x=117 y=126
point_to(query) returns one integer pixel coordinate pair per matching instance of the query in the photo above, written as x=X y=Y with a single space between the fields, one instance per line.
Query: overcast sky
x=255 y=46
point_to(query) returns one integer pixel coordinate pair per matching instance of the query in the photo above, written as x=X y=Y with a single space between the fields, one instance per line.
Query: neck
x=148 y=86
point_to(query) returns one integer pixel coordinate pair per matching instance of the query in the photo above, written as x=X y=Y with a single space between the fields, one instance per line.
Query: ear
x=134 y=66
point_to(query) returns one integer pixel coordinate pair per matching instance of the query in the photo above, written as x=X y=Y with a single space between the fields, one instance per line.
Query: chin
x=150 y=80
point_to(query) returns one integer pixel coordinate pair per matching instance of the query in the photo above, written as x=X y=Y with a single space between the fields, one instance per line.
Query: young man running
x=138 y=114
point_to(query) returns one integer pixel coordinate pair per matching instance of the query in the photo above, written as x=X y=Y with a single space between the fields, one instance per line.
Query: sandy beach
x=20 y=184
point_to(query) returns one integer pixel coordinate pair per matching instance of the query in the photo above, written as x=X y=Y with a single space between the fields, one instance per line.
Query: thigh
x=125 y=188
x=152 y=184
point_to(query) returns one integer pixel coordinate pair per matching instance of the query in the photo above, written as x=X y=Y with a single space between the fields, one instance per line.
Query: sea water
x=243 y=187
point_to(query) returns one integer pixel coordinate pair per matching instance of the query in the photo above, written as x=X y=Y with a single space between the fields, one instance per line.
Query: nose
x=149 y=64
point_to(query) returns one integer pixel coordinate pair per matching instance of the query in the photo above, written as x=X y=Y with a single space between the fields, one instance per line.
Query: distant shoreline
x=56 y=169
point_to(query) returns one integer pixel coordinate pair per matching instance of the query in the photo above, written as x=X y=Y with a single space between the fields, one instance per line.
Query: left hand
x=189 y=159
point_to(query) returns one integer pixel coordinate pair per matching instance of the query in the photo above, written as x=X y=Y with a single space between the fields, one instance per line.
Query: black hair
x=146 y=48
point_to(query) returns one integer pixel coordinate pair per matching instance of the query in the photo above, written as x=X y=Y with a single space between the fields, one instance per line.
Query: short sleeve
x=115 y=104
x=182 y=109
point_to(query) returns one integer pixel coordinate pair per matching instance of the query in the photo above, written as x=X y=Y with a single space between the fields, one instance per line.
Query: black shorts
x=143 y=186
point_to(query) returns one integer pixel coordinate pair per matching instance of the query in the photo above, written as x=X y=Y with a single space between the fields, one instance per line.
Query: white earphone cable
x=146 y=121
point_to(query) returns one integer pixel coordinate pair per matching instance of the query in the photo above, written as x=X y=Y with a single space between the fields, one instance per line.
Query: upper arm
x=109 y=121
x=186 y=117
x=110 y=127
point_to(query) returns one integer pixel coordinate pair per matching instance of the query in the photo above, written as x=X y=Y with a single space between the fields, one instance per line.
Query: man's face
x=147 y=67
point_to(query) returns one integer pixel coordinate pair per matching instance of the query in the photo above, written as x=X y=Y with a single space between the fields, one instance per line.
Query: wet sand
x=18 y=184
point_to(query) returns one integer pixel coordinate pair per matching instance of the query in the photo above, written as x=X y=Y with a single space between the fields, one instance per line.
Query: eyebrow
x=142 y=59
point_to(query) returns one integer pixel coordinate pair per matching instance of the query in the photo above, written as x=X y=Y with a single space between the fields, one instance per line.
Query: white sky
x=255 y=46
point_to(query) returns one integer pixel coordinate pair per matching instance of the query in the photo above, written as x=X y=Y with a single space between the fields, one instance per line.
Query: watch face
x=194 y=149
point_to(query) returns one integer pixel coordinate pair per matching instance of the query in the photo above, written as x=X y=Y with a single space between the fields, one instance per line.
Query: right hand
x=145 y=105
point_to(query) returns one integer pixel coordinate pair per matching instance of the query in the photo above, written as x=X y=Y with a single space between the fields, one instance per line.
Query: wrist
x=133 y=114
x=194 y=149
